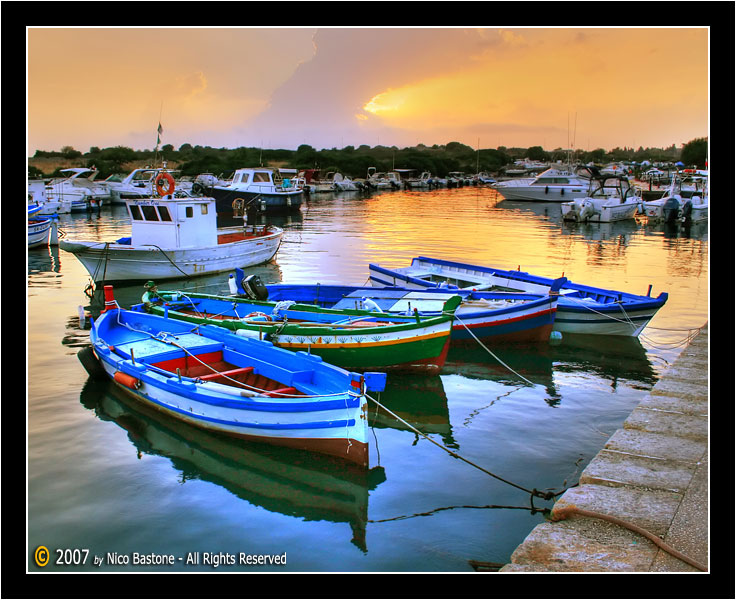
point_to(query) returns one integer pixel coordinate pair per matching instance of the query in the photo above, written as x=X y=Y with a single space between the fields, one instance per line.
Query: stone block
x=652 y=510
x=585 y=545
x=656 y=445
x=674 y=424
x=621 y=469
x=690 y=406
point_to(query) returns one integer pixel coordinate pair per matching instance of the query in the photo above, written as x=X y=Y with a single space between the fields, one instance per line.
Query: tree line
x=354 y=162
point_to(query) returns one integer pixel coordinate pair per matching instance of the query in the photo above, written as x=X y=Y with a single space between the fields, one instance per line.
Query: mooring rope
x=533 y=492
x=562 y=513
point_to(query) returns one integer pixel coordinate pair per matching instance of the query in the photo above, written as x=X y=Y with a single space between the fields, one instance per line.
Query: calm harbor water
x=107 y=477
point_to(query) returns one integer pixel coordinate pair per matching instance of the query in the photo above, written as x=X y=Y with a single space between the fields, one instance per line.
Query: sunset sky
x=334 y=87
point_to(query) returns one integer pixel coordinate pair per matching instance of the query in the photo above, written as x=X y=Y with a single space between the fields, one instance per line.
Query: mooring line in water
x=533 y=492
x=489 y=352
x=429 y=513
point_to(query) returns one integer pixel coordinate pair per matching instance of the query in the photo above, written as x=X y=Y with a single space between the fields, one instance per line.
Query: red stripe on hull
x=349 y=450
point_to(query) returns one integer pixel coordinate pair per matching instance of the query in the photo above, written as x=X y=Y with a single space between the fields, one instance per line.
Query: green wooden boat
x=352 y=339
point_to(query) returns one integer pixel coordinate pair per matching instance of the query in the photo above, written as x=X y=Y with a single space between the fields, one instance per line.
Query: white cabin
x=173 y=223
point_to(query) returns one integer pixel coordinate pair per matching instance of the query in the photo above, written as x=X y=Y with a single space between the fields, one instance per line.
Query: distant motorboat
x=78 y=189
x=611 y=198
x=552 y=185
x=255 y=189
x=343 y=183
x=47 y=206
x=674 y=206
x=140 y=183
x=313 y=182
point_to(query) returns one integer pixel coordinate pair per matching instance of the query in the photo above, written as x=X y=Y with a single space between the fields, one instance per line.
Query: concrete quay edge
x=652 y=473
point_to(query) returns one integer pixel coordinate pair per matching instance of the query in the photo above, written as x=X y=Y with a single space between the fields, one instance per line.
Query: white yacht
x=140 y=183
x=78 y=189
x=552 y=185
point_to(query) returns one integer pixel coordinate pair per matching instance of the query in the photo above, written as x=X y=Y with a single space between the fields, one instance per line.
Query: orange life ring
x=169 y=188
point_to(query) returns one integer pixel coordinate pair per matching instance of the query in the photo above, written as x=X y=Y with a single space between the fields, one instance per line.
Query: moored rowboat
x=353 y=339
x=580 y=308
x=492 y=318
x=210 y=378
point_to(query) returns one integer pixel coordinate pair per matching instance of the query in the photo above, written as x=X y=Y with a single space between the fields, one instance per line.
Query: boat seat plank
x=282 y=391
x=230 y=373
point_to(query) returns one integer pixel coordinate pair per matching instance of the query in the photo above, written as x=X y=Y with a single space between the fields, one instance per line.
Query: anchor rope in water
x=533 y=492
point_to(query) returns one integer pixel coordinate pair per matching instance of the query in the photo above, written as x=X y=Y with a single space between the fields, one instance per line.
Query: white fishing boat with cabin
x=172 y=238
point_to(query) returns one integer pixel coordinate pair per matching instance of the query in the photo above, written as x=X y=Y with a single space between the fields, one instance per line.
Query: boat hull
x=275 y=202
x=326 y=418
x=38 y=232
x=501 y=319
x=533 y=193
x=121 y=262
x=404 y=345
x=580 y=309
x=607 y=213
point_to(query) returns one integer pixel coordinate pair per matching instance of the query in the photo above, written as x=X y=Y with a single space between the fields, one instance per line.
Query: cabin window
x=259 y=177
x=149 y=213
x=189 y=212
x=135 y=212
x=204 y=209
x=164 y=213
x=245 y=177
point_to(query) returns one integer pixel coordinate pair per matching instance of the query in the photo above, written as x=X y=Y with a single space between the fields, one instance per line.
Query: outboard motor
x=587 y=211
x=574 y=213
x=250 y=286
x=671 y=210
x=254 y=288
x=687 y=210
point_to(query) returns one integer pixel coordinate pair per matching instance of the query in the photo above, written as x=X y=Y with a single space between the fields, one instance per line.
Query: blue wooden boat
x=490 y=317
x=358 y=340
x=211 y=378
x=581 y=308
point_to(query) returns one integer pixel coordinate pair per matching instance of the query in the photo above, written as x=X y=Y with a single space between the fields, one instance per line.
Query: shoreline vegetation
x=437 y=159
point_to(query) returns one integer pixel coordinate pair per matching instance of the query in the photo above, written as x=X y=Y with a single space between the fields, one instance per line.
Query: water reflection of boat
x=619 y=358
x=283 y=480
x=420 y=401
x=44 y=260
x=601 y=231
x=533 y=361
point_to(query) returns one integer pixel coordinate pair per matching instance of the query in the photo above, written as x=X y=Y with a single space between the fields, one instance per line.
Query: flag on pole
x=160 y=131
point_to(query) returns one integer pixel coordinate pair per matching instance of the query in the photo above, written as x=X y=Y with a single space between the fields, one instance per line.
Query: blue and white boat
x=258 y=189
x=209 y=377
x=580 y=308
x=42 y=230
x=490 y=317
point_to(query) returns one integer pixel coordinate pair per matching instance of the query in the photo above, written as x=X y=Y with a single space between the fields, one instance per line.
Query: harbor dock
x=652 y=474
